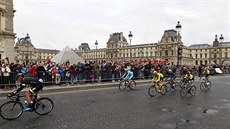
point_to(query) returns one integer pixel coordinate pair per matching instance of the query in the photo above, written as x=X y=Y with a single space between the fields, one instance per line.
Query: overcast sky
x=53 y=24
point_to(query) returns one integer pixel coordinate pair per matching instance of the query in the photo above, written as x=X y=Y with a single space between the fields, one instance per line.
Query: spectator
x=33 y=70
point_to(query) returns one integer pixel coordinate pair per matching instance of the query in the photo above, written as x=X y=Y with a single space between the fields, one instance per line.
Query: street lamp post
x=27 y=46
x=96 y=43
x=130 y=38
x=221 y=39
x=179 y=45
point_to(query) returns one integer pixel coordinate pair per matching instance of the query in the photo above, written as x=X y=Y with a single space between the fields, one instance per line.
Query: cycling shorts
x=36 y=88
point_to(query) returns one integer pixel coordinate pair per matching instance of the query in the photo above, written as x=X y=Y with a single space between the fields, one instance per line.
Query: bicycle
x=153 y=90
x=172 y=84
x=14 y=108
x=205 y=85
x=188 y=90
x=124 y=83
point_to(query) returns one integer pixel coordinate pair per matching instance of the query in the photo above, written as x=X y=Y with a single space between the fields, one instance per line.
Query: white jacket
x=6 y=71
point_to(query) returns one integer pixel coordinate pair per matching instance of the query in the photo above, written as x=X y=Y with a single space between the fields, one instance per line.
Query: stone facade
x=166 y=49
x=7 y=34
x=25 y=51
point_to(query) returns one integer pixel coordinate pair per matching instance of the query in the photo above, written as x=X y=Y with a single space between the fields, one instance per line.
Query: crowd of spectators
x=90 y=71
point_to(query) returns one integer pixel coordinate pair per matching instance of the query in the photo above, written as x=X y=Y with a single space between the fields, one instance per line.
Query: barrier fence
x=83 y=77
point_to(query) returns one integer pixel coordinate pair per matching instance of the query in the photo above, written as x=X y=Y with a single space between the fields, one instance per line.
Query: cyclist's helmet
x=188 y=72
x=154 y=72
x=170 y=70
x=206 y=68
x=20 y=75
x=127 y=68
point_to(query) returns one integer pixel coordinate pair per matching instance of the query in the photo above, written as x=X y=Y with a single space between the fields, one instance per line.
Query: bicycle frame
x=18 y=96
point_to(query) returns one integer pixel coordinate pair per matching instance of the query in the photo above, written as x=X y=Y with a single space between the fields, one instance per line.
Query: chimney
x=121 y=36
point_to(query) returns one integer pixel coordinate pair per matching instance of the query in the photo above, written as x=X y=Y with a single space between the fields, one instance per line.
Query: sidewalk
x=61 y=88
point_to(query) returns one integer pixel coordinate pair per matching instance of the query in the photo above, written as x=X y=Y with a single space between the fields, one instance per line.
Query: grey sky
x=53 y=24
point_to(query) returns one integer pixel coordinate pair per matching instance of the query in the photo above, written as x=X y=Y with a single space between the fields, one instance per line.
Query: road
x=109 y=108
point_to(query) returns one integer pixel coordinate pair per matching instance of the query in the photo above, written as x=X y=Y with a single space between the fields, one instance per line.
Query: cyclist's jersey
x=171 y=75
x=206 y=72
x=128 y=74
x=158 y=77
x=34 y=84
x=189 y=76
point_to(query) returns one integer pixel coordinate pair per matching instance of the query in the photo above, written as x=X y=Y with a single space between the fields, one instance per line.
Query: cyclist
x=128 y=74
x=35 y=84
x=188 y=78
x=158 y=78
x=206 y=72
x=172 y=76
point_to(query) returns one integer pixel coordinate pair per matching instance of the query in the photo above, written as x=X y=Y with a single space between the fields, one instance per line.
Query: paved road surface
x=110 y=108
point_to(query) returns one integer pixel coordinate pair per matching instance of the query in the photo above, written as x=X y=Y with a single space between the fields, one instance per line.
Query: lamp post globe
x=221 y=38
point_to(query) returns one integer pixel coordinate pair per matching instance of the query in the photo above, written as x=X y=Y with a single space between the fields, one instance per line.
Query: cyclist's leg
x=34 y=90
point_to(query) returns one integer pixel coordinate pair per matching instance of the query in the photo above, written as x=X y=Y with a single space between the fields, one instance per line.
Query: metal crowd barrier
x=79 y=77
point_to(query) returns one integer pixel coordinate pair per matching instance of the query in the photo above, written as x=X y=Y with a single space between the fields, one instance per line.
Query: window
x=205 y=55
x=214 y=55
x=166 y=52
x=196 y=55
x=201 y=62
x=206 y=62
x=226 y=55
x=196 y=62
x=200 y=55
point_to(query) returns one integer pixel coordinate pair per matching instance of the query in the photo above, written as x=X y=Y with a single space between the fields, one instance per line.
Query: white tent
x=67 y=54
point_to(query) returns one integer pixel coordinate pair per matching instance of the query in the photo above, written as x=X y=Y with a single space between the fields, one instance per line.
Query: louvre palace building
x=170 y=47
x=118 y=48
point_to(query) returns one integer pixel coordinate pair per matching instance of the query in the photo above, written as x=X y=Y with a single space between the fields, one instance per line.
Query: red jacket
x=33 y=71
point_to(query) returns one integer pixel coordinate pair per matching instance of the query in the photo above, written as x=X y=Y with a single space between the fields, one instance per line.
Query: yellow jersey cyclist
x=206 y=72
x=35 y=84
x=188 y=78
x=158 y=78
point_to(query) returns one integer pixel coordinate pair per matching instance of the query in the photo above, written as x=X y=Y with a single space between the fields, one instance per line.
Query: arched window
x=196 y=62
x=214 y=55
x=201 y=62
x=205 y=62
x=166 y=52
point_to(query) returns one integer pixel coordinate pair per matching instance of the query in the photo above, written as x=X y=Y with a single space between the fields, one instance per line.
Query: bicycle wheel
x=168 y=86
x=181 y=84
x=208 y=84
x=43 y=106
x=176 y=86
x=202 y=86
x=183 y=92
x=152 y=91
x=122 y=85
x=192 y=90
x=132 y=85
x=11 y=110
x=163 y=90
